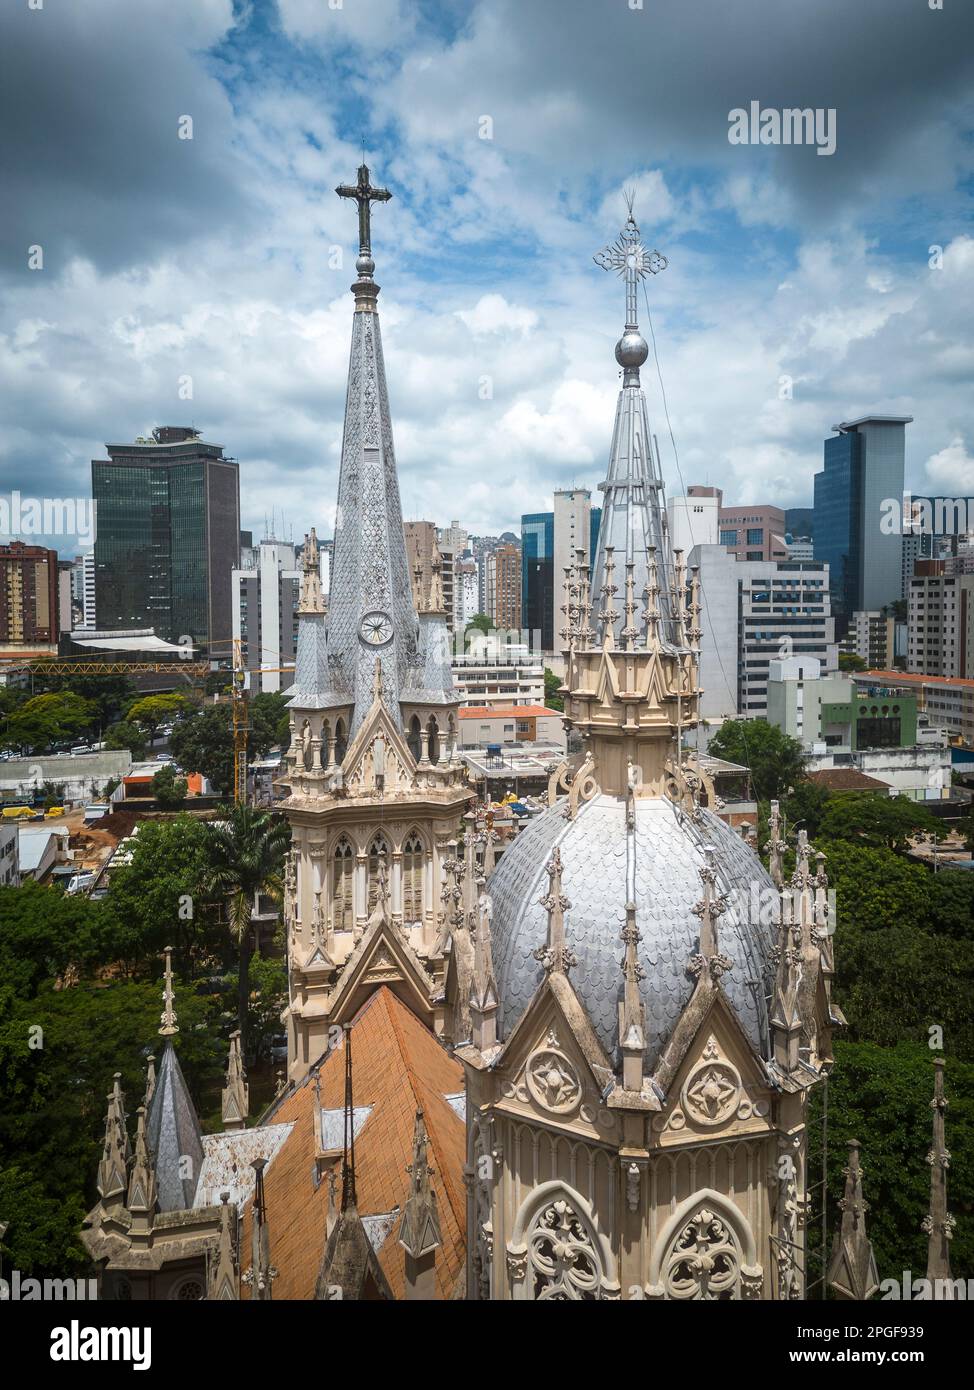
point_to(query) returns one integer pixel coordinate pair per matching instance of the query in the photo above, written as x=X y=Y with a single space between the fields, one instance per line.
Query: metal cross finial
x=365 y=195
x=629 y=257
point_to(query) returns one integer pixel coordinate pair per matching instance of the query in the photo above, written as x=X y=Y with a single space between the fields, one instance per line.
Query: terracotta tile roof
x=399 y=1067
x=911 y=678
x=508 y=712
x=847 y=779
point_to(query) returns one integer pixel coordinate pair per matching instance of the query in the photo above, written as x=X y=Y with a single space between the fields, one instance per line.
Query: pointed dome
x=668 y=859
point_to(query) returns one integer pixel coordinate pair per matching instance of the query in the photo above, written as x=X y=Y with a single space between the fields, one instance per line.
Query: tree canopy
x=775 y=760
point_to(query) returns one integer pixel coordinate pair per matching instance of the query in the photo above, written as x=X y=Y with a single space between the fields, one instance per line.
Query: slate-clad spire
x=370 y=609
x=633 y=510
x=173 y=1128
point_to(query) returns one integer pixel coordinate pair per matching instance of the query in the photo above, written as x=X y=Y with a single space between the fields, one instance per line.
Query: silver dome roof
x=669 y=855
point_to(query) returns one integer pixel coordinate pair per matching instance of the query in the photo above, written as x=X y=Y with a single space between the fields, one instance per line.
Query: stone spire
x=261 y=1274
x=370 y=609
x=483 y=989
x=142 y=1182
x=236 y=1093
x=632 y=1017
x=852 y=1267
x=312 y=599
x=115 y=1149
x=554 y=955
x=709 y=909
x=172 y=1128
x=776 y=846
x=223 y=1275
x=633 y=510
x=419 y=1229
x=938 y=1222
x=786 y=1022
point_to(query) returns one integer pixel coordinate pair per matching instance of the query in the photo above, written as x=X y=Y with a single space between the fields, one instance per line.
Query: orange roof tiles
x=911 y=678
x=507 y=712
x=399 y=1067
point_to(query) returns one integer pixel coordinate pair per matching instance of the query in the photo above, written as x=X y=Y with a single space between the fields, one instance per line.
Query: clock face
x=375 y=629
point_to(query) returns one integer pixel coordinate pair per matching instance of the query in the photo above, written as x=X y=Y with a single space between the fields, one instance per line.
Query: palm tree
x=247 y=858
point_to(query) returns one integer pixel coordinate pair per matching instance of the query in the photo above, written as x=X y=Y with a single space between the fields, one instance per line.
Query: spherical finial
x=365 y=265
x=631 y=350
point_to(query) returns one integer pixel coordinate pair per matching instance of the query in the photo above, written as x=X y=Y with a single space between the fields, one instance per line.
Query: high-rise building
x=83 y=591
x=265 y=612
x=864 y=468
x=168 y=537
x=940 y=622
x=505 y=592
x=877 y=638
x=538 y=578
x=754 y=612
x=29 y=596
x=753 y=533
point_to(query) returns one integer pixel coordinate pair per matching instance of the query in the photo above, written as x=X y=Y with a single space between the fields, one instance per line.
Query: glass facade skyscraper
x=168 y=538
x=864 y=466
x=538 y=577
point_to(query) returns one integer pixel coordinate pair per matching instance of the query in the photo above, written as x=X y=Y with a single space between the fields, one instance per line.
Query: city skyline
x=775 y=270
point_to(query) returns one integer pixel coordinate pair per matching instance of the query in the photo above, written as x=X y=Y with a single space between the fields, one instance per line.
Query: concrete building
x=504 y=588
x=864 y=468
x=9 y=861
x=694 y=519
x=493 y=670
x=940 y=622
x=168 y=537
x=465 y=592
x=753 y=533
x=265 y=613
x=753 y=613
x=481 y=725
x=83 y=591
x=877 y=637
x=29 y=597
x=947 y=703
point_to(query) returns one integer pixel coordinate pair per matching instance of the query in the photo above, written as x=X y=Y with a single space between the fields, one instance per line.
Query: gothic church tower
x=376 y=788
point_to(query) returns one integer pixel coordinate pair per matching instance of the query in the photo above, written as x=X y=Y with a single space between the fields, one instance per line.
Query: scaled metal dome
x=669 y=855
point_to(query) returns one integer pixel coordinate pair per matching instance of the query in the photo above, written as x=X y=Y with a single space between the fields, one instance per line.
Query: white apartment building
x=497 y=671
x=694 y=519
x=265 y=597
x=755 y=612
x=572 y=531
x=83 y=590
x=940 y=623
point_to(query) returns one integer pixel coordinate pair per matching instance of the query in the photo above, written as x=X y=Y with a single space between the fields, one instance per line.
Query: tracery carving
x=712 y=1092
x=552 y=1079
x=704 y=1260
x=565 y=1265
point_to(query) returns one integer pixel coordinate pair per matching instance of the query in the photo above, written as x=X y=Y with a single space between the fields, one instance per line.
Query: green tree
x=247 y=852
x=876 y=819
x=161 y=895
x=481 y=623
x=269 y=721
x=168 y=789
x=47 y=719
x=43 y=931
x=552 y=685
x=109 y=695
x=806 y=806
x=851 y=661
x=127 y=735
x=58 y=1053
x=153 y=710
x=204 y=743
x=775 y=760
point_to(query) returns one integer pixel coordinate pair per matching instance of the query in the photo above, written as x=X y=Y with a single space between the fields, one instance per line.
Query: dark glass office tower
x=538 y=577
x=864 y=467
x=168 y=537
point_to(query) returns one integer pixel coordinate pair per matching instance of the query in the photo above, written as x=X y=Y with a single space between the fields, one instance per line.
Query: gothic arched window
x=341 y=742
x=563 y=1260
x=434 y=739
x=378 y=867
x=703 y=1260
x=342 y=880
x=413 y=867
x=413 y=737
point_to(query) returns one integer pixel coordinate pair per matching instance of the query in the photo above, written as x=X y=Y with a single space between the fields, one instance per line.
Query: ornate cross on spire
x=365 y=195
x=168 y=1019
x=629 y=257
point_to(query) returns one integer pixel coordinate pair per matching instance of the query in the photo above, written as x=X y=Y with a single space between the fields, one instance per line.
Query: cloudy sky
x=213 y=259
